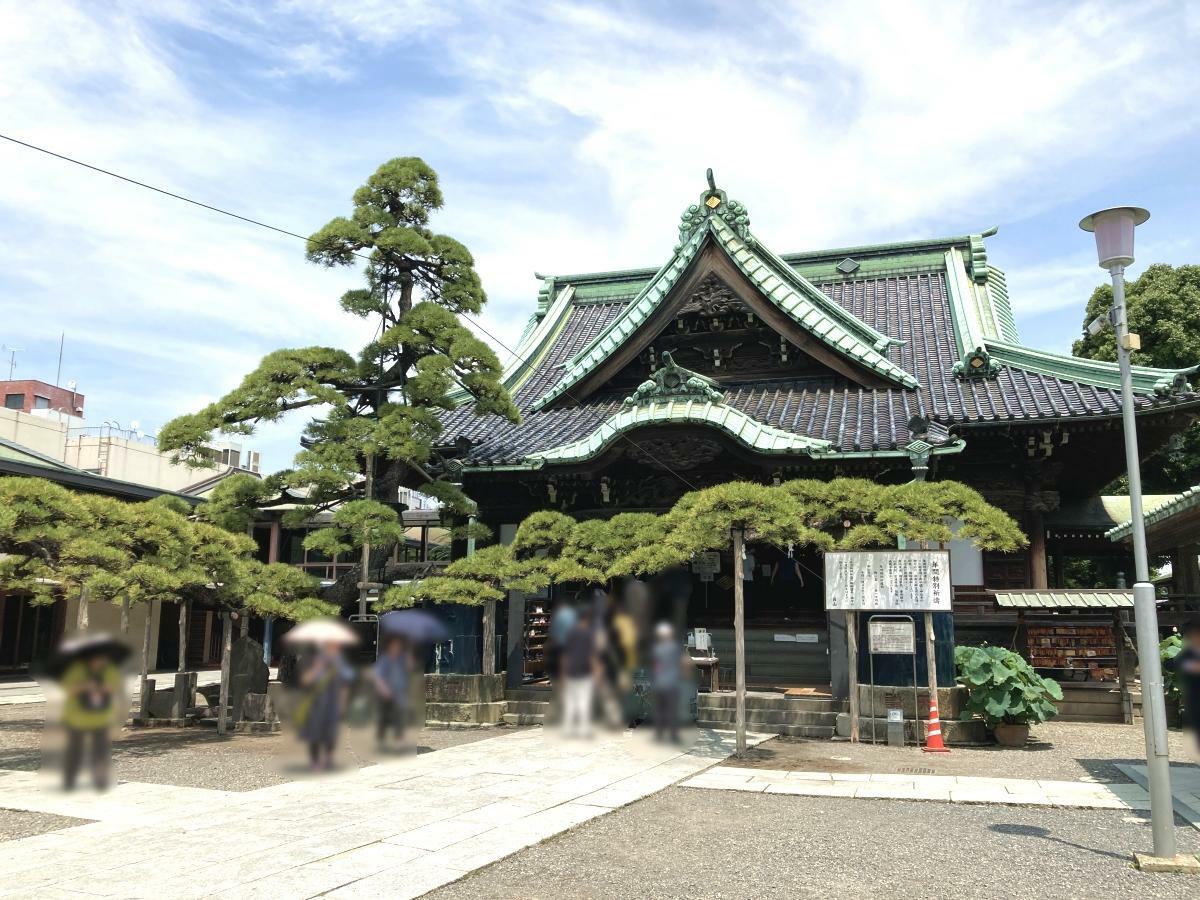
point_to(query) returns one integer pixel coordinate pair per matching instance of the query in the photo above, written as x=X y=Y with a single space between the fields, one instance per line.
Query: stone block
x=464 y=688
x=258 y=708
x=248 y=674
x=464 y=713
x=183 y=695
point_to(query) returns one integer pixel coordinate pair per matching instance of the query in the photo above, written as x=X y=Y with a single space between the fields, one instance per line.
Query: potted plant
x=1005 y=691
x=1171 y=647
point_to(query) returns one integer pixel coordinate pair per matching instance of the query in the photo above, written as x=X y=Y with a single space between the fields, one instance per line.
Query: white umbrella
x=322 y=631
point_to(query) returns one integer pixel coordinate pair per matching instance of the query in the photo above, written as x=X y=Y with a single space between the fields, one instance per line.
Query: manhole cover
x=914 y=770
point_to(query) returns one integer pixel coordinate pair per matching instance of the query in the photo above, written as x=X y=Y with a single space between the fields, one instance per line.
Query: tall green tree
x=376 y=414
x=55 y=542
x=1163 y=305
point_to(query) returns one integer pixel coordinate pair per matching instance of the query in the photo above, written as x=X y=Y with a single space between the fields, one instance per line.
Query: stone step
x=523 y=719
x=768 y=716
x=816 y=732
x=761 y=700
x=542 y=694
x=528 y=707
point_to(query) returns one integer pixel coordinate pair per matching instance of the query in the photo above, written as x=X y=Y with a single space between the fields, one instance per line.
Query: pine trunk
x=226 y=654
x=739 y=640
x=143 y=693
x=185 y=607
x=81 y=616
x=125 y=615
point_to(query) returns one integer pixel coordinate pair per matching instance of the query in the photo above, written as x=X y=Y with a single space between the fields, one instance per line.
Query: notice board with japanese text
x=888 y=580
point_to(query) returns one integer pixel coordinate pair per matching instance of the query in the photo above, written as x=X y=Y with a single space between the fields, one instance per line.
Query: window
x=14 y=401
x=41 y=402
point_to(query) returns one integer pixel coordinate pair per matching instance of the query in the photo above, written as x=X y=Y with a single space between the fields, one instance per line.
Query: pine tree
x=380 y=411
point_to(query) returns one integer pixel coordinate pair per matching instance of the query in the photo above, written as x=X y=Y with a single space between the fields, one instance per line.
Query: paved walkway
x=396 y=829
x=1185 y=789
x=946 y=788
x=26 y=690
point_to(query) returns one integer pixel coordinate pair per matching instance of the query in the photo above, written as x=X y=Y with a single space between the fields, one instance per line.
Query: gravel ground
x=198 y=757
x=721 y=844
x=19 y=823
x=1067 y=751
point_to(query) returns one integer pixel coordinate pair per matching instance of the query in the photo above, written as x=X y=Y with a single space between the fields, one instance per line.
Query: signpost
x=894 y=635
x=887 y=581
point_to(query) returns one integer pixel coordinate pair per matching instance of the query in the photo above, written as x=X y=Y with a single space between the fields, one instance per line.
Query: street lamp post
x=1114 y=244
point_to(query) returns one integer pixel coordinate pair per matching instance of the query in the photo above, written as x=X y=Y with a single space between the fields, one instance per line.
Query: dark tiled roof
x=912 y=308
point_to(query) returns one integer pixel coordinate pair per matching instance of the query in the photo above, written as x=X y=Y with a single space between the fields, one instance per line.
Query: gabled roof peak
x=714 y=202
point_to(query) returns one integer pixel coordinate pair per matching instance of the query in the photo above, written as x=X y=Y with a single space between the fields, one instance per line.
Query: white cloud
x=569 y=136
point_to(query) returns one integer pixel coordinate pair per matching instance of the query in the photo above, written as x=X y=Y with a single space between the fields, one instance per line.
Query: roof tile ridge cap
x=876 y=361
x=1082 y=362
x=866 y=333
x=575 y=365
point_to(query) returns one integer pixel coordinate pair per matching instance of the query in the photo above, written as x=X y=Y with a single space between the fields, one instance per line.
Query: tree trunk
x=739 y=641
x=81 y=616
x=243 y=624
x=489 y=637
x=226 y=653
x=143 y=693
x=852 y=666
x=185 y=608
x=125 y=615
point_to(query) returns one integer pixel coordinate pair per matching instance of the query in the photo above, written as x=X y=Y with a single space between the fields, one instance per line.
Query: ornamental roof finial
x=713 y=202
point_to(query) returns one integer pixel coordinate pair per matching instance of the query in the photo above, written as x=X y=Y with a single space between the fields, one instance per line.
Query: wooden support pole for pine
x=1124 y=675
x=185 y=608
x=81 y=615
x=143 y=693
x=931 y=659
x=124 y=615
x=226 y=653
x=365 y=564
x=852 y=665
x=739 y=641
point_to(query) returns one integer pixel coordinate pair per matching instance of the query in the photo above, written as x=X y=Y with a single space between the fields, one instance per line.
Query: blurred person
x=624 y=635
x=1186 y=666
x=390 y=677
x=92 y=688
x=580 y=669
x=787 y=573
x=667 y=665
x=562 y=621
x=325 y=685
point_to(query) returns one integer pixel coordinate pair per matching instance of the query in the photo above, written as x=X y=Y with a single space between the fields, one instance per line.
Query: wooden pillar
x=1038 y=573
x=1124 y=676
x=143 y=691
x=739 y=641
x=185 y=610
x=226 y=654
x=852 y=664
x=81 y=615
x=931 y=660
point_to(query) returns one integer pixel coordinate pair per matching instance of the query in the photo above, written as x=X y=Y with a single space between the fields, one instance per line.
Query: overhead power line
x=284 y=231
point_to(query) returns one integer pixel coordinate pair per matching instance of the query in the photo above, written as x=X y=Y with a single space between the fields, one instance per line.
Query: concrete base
x=465 y=713
x=464 y=700
x=1184 y=863
x=244 y=727
x=953 y=732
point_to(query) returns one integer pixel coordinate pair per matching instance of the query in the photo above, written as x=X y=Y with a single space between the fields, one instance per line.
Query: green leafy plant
x=1170 y=647
x=1003 y=689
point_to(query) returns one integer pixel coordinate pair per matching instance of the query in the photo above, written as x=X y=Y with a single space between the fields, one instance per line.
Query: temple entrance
x=787 y=631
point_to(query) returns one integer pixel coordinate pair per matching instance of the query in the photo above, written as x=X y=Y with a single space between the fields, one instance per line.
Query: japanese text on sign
x=893 y=580
x=892 y=637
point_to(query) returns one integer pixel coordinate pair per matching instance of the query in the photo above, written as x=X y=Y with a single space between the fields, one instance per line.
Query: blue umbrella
x=416 y=625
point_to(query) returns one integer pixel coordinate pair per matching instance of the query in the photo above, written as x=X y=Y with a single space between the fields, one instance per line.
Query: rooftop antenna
x=12 y=358
x=61 y=341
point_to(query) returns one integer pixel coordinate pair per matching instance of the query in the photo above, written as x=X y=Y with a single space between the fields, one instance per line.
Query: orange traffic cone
x=933 y=735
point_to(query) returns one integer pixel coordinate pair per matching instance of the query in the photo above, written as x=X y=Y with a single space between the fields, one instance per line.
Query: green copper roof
x=1189 y=499
x=1088 y=371
x=727 y=223
x=1065 y=599
x=733 y=422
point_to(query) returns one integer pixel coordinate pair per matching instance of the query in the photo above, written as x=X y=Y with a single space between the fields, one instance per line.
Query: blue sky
x=569 y=137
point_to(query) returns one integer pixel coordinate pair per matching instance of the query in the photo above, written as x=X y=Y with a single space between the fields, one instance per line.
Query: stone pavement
x=1185 y=789
x=945 y=788
x=396 y=829
x=26 y=690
